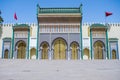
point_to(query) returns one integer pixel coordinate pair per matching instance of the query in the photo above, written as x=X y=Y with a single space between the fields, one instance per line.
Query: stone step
x=21 y=69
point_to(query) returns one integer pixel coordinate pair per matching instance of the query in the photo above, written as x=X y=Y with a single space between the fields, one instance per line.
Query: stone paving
x=59 y=69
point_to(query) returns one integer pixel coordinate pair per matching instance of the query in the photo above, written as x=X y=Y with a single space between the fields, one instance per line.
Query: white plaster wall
x=34 y=30
x=6 y=32
x=86 y=43
x=33 y=36
x=115 y=33
x=85 y=30
x=33 y=43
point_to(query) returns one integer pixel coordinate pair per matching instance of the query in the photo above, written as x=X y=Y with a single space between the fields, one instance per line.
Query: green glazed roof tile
x=113 y=39
x=97 y=26
x=21 y=25
x=7 y=39
x=58 y=10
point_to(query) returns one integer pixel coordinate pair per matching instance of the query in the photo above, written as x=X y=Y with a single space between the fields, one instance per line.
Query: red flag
x=15 y=16
x=108 y=14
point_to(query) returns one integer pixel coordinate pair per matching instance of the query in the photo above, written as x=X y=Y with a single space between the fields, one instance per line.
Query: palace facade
x=60 y=34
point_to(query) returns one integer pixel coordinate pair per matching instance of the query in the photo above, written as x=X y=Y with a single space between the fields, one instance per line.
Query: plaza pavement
x=16 y=69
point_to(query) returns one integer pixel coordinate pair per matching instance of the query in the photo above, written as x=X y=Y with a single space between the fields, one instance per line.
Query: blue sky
x=93 y=10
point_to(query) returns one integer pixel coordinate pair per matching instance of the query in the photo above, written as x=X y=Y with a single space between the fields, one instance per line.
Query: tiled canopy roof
x=21 y=25
x=59 y=10
x=98 y=26
x=113 y=39
x=7 y=39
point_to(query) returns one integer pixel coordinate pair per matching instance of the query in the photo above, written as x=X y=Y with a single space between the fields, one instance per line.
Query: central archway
x=59 y=46
x=98 y=50
x=21 y=51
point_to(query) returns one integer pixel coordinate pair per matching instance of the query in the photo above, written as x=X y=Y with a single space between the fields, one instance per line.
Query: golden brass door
x=113 y=54
x=86 y=53
x=21 y=50
x=6 y=54
x=74 y=54
x=44 y=51
x=59 y=49
x=98 y=50
x=98 y=53
x=33 y=53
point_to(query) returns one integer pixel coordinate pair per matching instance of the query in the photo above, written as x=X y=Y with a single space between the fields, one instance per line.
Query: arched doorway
x=44 y=54
x=74 y=52
x=113 y=54
x=21 y=51
x=98 y=50
x=6 y=54
x=33 y=53
x=59 y=48
x=86 y=53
